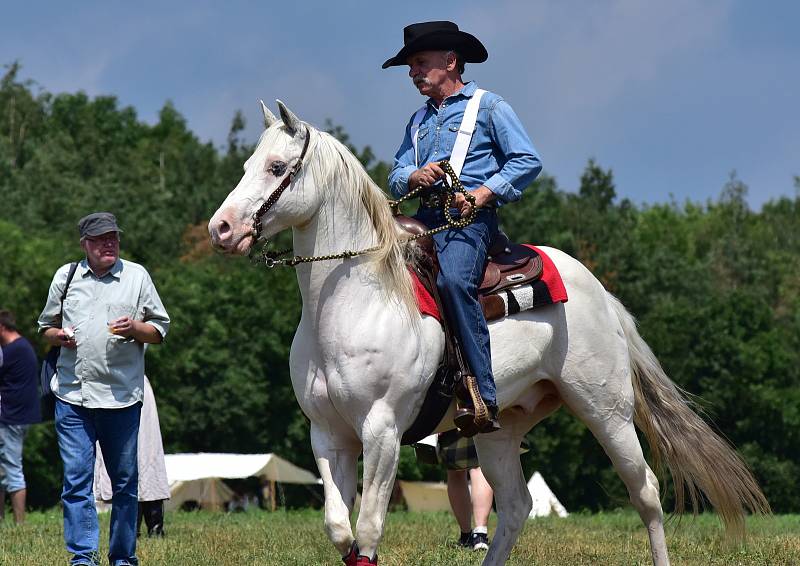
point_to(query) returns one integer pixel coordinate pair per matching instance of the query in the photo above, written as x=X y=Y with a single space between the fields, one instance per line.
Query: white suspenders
x=461 y=146
x=465 y=131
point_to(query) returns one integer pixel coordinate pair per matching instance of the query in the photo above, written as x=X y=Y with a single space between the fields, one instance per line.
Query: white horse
x=363 y=357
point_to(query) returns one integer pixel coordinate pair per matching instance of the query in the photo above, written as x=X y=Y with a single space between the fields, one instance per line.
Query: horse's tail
x=699 y=460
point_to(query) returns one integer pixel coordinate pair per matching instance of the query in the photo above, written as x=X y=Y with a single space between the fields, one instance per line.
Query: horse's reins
x=271 y=258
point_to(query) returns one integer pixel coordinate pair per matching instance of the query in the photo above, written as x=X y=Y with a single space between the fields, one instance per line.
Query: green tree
x=715 y=286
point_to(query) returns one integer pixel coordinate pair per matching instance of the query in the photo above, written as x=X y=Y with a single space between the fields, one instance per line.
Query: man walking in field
x=110 y=311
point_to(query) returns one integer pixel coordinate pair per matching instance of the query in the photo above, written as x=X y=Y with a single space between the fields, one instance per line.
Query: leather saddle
x=509 y=265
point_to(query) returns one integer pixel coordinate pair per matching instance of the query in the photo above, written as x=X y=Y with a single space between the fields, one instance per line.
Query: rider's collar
x=465 y=91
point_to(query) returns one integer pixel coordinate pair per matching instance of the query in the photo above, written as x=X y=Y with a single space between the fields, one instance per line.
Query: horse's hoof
x=353 y=558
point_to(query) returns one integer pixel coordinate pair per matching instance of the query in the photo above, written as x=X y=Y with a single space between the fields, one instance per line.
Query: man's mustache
x=421 y=81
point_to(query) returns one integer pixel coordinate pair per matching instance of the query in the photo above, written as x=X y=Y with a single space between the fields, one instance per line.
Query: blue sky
x=672 y=96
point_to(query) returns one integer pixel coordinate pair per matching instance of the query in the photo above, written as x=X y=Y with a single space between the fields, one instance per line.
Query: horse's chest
x=330 y=383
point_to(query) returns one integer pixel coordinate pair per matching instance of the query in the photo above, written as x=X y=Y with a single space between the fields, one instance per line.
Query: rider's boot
x=473 y=415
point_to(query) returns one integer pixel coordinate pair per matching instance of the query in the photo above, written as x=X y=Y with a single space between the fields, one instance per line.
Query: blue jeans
x=11 y=439
x=117 y=430
x=462 y=258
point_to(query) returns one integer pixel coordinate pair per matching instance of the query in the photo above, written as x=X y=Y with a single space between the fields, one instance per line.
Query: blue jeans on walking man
x=462 y=257
x=117 y=430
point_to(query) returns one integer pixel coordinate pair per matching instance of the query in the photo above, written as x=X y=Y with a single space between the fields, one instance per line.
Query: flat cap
x=97 y=223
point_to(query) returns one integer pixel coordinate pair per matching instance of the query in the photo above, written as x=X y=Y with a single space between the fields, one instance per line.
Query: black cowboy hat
x=434 y=36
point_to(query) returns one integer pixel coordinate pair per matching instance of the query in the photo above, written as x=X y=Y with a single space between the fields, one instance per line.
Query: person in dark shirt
x=19 y=408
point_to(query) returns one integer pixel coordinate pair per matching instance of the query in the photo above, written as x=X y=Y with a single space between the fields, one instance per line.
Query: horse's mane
x=335 y=166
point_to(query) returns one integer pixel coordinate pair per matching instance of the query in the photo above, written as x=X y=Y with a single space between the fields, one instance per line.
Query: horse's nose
x=224 y=230
x=221 y=231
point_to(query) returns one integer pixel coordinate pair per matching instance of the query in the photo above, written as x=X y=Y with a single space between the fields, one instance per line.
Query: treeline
x=715 y=285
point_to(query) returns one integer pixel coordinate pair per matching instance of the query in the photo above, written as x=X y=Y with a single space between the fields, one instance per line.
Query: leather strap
x=72 y=268
x=276 y=194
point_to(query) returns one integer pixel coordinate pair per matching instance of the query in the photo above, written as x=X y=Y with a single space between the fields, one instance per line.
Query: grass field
x=297 y=538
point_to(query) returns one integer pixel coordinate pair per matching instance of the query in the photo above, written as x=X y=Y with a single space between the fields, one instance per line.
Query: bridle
x=271 y=258
x=276 y=194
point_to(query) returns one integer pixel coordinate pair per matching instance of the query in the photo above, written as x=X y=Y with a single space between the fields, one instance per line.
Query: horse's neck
x=335 y=228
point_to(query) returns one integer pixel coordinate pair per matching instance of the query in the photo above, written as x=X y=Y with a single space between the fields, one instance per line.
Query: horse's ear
x=269 y=117
x=291 y=121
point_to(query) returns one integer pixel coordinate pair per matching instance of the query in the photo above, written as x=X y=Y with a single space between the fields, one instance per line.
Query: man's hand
x=425 y=176
x=483 y=196
x=123 y=326
x=64 y=337
x=136 y=329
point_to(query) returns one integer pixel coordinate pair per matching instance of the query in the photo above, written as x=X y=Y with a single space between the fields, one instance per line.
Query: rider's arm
x=521 y=161
x=404 y=165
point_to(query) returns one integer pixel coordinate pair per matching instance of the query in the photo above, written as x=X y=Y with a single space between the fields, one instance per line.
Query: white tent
x=196 y=477
x=545 y=502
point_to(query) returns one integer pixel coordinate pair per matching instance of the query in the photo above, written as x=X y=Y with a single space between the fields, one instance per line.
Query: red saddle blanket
x=551 y=278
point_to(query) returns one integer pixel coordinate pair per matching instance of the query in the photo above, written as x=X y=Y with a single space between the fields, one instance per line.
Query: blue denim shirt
x=501 y=155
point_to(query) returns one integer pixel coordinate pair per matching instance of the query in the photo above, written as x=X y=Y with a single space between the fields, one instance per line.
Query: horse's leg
x=498 y=454
x=338 y=468
x=381 y=442
x=607 y=410
x=619 y=440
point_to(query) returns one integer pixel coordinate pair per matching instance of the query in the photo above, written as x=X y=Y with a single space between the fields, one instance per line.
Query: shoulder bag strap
x=465 y=131
x=70 y=275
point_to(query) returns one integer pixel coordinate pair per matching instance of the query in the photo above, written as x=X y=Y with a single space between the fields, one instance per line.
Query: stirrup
x=470 y=420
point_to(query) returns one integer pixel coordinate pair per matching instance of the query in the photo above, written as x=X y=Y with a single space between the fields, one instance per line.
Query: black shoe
x=156 y=532
x=479 y=541
x=465 y=541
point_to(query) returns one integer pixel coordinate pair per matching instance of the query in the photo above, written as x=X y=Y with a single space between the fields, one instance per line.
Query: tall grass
x=296 y=537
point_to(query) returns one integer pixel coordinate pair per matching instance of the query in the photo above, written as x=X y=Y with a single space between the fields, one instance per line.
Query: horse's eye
x=277 y=168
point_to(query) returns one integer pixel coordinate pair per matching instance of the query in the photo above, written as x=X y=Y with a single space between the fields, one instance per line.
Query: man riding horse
x=363 y=356
x=491 y=154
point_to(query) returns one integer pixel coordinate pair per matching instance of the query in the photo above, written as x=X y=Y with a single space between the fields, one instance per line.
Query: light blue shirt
x=501 y=155
x=105 y=371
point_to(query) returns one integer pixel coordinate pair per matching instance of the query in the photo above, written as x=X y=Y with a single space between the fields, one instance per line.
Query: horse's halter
x=276 y=194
